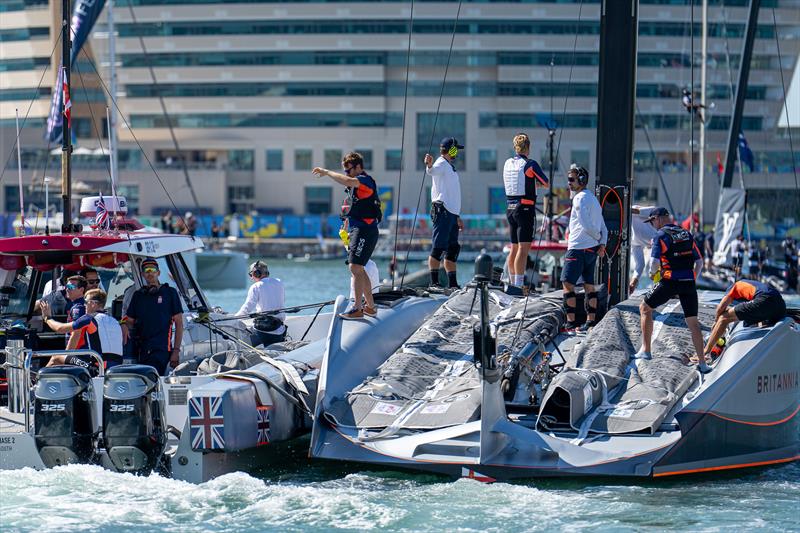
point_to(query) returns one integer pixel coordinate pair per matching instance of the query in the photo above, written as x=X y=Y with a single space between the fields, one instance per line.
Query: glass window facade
x=394 y=158
x=241 y=160
x=318 y=200
x=303 y=159
x=332 y=159
x=487 y=159
x=446 y=125
x=270 y=120
x=274 y=159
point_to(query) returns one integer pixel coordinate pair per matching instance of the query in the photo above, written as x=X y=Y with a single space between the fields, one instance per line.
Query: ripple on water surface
x=320 y=497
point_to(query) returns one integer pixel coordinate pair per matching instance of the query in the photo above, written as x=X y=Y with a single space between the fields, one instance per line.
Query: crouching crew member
x=361 y=212
x=445 y=210
x=760 y=302
x=678 y=261
x=587 y=241
x=153 y=310
x=265 y=294
x=521 y=176
x=93 y=331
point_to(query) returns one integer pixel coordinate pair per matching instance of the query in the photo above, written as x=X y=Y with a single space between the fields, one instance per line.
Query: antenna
x=66 y=136
x=19 y=172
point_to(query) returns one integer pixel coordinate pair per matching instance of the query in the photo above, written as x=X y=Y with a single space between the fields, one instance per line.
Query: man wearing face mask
x=153 y=310
x=445 y=210
x=587 y=241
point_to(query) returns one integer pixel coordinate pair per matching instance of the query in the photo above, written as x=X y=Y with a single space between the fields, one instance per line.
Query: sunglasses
x=93 y=281
x=572 y=180
x=98 y=302
x=347 y=169
x=149 y=270
x=71 y=286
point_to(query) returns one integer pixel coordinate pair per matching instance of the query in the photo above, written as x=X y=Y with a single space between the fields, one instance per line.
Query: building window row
x=271 y=120
x=580 y=121
x=473 y=27
x=24 y=34
x=23 y=63
x=21 y=5
x=728 y=3
x=421 y=58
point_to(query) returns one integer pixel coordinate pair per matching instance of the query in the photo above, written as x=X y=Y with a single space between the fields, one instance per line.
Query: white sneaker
x=641 y=354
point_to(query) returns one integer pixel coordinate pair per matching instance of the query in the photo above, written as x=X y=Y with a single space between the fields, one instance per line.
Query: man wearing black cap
x=445 y=210
x=675 y=265
x=154 y=308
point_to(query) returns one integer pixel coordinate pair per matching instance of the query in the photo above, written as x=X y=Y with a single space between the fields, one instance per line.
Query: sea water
x=295 y=493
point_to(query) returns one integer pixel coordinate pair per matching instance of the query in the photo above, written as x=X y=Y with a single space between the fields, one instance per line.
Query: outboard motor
x=64 y=419
x=134 y=418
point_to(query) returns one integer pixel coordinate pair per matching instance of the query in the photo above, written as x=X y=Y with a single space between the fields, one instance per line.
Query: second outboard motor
x=134 y=418
x=64 y=419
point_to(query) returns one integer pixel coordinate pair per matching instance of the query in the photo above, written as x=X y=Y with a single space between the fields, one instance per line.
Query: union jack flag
x=67 y=103
x=206 y=423
x=101 y=218
x=262 y=422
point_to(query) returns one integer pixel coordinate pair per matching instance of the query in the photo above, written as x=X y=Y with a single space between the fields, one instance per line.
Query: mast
x=112 y=74
x=616 y=100
x=66 y=134
x=703 y=117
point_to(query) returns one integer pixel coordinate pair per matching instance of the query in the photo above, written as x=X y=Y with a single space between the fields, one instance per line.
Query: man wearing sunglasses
x=92 y=279
x=75 y=307
x=153 y=310
x=587 y=241
x=361 y=213
x=445 y=210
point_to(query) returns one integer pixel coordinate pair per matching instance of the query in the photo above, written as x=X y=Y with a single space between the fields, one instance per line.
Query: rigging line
x=785 y=102
x=403 y=136
x=569 y=82
x=655 y=158
x=691 y=121
x=130 y=129
x=42 y=184
x=181 y=155
x=30 y=105
x=430 y=143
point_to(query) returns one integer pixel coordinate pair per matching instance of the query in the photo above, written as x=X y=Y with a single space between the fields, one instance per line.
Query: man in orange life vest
x=676 y=256
x=361 y=212
x=760 y=303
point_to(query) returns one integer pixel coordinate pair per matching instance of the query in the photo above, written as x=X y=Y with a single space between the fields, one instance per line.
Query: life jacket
x=514 y=179
x=678 y=255
x=362 y=208
x=103 y=335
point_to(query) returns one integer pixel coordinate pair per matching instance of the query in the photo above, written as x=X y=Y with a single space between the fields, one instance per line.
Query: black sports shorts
x=762 y=308
x=521 y=220
x=666 y=289
x=362 y=243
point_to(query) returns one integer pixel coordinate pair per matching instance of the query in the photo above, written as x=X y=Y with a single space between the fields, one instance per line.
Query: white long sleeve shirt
x=642 y=235
x=266 y=294
x=446 y=186
x=586 y=226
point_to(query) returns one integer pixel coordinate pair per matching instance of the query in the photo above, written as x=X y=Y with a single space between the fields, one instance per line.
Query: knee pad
x=589 y=297
x=452 y=252
x=570 y=309
x=437 y=253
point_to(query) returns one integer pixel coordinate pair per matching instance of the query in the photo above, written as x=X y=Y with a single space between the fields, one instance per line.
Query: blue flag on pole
x=83 y=18
x=745 y=153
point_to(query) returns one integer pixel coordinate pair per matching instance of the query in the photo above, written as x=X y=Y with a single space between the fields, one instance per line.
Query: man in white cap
x=265 y=294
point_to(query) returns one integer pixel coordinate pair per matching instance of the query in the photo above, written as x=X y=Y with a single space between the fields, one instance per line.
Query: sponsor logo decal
x=778 y=382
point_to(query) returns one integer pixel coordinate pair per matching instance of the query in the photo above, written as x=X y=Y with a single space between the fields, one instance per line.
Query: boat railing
x=18 y=370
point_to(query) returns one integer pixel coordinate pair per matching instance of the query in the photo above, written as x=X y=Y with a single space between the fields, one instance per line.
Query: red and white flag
x=67 y=102
x=477 y=476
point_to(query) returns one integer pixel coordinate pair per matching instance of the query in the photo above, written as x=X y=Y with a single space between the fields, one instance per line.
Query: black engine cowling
x=64 y=419
x=134 y=418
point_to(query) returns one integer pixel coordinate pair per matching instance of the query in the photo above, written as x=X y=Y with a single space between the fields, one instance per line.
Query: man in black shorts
x=675 y=266
x=759 y=303
x=521 y=176
x=361 y=212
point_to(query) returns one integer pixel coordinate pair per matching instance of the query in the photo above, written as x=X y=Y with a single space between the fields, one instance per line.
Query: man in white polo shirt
x=445 y=210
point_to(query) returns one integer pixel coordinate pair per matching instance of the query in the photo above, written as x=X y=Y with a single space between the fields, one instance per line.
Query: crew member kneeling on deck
x=759 y=303
x=445 y=211
x=521 y=176
x=154 y=308
x=265 y=294
x=676 y=255
x=93 y=331
x=587 y=241
x=361 y=211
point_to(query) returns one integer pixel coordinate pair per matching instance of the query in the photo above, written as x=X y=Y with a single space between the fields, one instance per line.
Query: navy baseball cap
x=657 y=212
x=449 y=142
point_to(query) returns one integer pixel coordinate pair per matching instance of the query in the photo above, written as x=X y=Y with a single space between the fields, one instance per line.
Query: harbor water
x=294 y=493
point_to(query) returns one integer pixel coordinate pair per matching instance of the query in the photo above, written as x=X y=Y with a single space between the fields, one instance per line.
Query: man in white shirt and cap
x=265 y=294
x=445 y=210
x=587 y=241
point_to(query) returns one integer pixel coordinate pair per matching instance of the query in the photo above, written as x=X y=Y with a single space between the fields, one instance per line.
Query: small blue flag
x=745 y=153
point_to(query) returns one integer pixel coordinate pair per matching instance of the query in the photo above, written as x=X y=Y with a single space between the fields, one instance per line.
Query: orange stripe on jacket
x=362 y=191
x=742 y=290
x=530 y=173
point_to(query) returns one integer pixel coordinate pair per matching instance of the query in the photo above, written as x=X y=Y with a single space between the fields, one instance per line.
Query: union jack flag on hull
x=262 y=422
x=206 y=423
